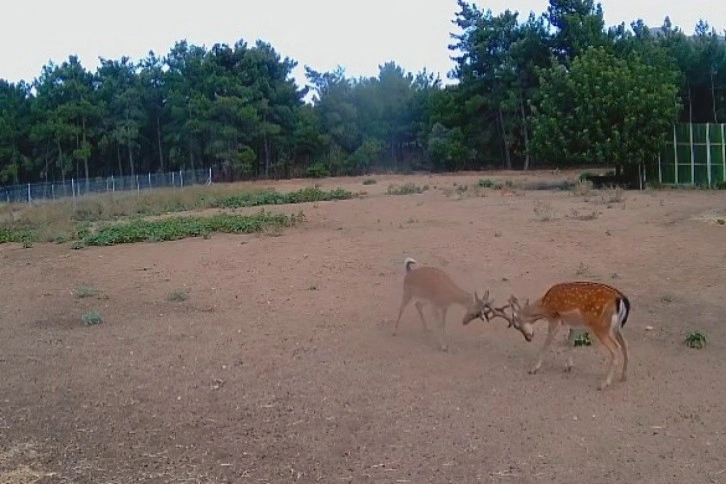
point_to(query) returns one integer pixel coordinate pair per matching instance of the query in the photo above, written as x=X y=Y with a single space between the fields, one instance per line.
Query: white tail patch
x=408 y=263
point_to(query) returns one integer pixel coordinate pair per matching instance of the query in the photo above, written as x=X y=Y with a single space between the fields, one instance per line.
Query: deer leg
x=606 y=337
x=570 y=350
x=442 y=324
x=419 y=307
x=404 y=302
x=553 y=329
x=624 y=347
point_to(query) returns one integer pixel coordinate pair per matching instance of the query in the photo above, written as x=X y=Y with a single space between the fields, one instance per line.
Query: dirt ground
x=281 y=366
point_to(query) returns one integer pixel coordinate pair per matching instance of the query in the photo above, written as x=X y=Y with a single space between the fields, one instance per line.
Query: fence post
x=73 y=189
x=181 y=177
x=138 y=188
x=660 y=170
x=173 y=183
x=708 y=152
x=52 y=190
x=29 y=199
x=723 y=150
x=113 y=184
x=209 y=180
x=149 y=181
x=675 y=152
x=693 y=161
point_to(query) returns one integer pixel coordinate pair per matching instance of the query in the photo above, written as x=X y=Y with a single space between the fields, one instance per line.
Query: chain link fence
x=76 y=188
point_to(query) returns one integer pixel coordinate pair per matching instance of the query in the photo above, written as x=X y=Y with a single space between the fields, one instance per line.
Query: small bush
x=583 y=215
x=369 y=181
x=486 y=183
x=583 y=339
x=696 y=339
x=83 y=292
x=177 y=296
x=582 y=188
x=91 y=318
x=406 y=189
x=318 y=170
x=543 y=211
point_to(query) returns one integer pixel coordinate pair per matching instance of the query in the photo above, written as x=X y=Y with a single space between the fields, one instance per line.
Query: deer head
x=520 y=319
x=478 y=308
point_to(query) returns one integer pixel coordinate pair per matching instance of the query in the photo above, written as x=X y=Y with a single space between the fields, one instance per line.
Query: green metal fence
x=694 y=155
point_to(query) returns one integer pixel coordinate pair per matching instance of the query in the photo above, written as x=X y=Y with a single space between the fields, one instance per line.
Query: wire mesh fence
x=694 y=154
x=79 y=187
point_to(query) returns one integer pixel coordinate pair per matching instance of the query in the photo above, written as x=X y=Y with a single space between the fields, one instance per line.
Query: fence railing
x=74 y=187
x=695 y=154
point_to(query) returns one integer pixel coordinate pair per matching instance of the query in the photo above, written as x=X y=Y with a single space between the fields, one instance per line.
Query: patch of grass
x=612 y=195
x=269 y=197
x=583 y=215
x=486 y=183
x=175 y=228
x=582 y=188
x=406 y=189
x=369 y=181
x=543 y=211
x=696 y=339
x=582 y=339
x=84 y=291
x=177 y=296
x=92 y=318
x=64 y=220
x=464 y=191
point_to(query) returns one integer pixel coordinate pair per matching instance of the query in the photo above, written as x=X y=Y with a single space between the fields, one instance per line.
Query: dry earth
x=281 y=366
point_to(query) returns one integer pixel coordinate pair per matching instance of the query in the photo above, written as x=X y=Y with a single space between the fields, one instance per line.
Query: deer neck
x=463 y=297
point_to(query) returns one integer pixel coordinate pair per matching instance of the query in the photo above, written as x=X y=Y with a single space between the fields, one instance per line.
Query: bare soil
x=280 y=366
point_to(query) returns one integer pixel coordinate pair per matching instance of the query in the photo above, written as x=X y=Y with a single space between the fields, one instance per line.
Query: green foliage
x=92 y=318
x=271 y=197
x=696 y=340
x=318 y=170
x=582 y=339
x=604 y=110
x=406 y=189
x=236 y=108
x=177 y=296
x=175 y=228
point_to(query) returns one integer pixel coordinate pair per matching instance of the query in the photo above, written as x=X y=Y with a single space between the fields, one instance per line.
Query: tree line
x=557 y=89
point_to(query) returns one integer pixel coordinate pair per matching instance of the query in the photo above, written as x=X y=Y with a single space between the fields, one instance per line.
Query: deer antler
x=498 y=312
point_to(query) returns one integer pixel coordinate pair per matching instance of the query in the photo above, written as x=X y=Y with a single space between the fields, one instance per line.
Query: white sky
x=357 y=34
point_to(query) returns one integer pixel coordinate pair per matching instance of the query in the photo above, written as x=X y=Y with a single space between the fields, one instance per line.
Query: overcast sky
x=357 y=34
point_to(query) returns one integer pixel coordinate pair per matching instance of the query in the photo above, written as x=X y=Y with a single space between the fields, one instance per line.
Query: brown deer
x=433 y=286
x=589 y=306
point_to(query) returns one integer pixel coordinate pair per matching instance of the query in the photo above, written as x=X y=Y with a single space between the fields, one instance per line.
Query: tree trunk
x=267 y=156
x=713 y=98
x=525 y=131
x=85 y=158
x=62 y=165
x=158 y=139
x=508 y=158
x=120 y=164
x=128 y=146
x=690 y=105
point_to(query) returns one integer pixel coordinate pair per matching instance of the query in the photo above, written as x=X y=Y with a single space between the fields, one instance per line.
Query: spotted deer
x=431 y=285
x=589 y=306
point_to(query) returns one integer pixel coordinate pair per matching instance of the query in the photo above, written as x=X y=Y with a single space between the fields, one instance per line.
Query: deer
x=431 y=285
x=581 y=305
